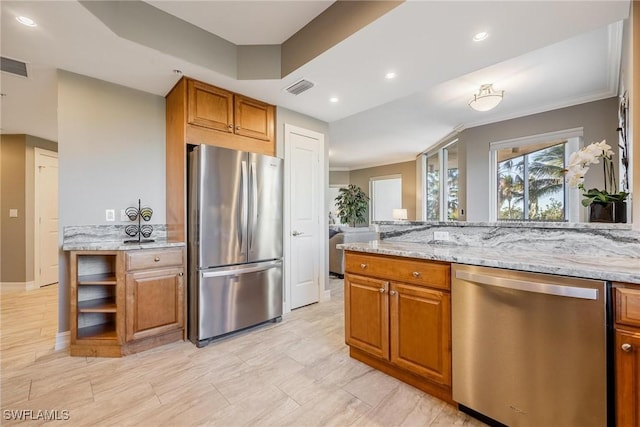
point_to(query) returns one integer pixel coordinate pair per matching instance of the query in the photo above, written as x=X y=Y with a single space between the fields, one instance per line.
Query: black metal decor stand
x=139 y=230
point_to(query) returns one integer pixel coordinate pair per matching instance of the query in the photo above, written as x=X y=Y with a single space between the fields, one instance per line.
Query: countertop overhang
x=118 y=245
x=609 y=268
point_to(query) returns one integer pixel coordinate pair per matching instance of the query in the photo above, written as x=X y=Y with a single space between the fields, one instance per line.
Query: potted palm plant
x=352 y=204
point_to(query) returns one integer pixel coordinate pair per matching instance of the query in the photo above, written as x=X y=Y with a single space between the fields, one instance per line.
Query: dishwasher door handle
x=537 y=287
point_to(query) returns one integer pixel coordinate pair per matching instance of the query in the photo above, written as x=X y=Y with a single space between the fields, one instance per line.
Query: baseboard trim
x=63 y=340
x=18 y=286
x=326 y=296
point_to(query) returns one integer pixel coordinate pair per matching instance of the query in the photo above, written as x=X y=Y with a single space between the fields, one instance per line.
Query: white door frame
x=320 y=227
x=37 y=152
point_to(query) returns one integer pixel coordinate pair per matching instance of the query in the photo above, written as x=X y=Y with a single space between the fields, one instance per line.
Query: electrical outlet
x=110 y=215
x=440 y=235
x=13 y=213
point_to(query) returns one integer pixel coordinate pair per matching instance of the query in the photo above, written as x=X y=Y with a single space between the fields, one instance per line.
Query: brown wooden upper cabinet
x=218 y=109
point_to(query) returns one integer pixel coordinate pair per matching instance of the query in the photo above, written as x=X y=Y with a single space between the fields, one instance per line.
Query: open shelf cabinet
x=97 y=302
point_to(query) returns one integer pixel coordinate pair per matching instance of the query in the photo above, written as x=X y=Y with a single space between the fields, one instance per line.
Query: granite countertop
x=613 y=268
x=118 y=245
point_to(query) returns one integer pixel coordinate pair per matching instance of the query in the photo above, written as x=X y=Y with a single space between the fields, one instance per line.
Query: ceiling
x=544 y=55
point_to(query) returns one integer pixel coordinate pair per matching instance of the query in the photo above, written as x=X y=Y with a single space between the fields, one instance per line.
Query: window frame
x=372 y=193
x=443 y=195
x=574 y=142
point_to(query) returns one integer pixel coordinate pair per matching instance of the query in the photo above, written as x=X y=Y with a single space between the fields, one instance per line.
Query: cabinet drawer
x=627 y=306
x=145 y=259
x=426 y=273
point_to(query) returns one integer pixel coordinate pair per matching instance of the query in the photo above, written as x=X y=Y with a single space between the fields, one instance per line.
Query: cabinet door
x=155 y=302
x=627 y=378
x=367 y=314
x=210 y=107
x=253 y=118
x=421 y=331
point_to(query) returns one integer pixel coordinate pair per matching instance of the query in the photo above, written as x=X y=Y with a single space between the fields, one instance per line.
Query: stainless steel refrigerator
x=234 y=241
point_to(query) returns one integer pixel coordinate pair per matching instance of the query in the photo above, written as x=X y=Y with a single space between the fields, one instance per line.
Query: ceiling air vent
x=300 y=86
x=12 y=66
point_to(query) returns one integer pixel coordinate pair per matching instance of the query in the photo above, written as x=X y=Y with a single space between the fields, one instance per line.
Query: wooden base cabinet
x=123 y=302
x=627 y=354
x=403 y=329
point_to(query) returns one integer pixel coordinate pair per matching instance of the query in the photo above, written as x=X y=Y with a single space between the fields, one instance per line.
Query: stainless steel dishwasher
x=529 y=349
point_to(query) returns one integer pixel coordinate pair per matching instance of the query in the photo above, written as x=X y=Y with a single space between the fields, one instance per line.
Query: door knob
x=626 y=347
x=296 y=233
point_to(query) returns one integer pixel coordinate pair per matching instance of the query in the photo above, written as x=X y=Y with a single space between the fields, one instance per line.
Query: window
x=528 y=176
x=386 y=195
x=441 y=197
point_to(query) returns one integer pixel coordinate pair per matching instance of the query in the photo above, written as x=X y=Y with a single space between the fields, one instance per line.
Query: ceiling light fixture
x=333 y=99
x=26 y=21
x=480 y=36
x=390 y=75
x=486 y=98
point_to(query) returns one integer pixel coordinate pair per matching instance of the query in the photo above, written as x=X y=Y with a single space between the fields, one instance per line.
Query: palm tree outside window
x=531 y=185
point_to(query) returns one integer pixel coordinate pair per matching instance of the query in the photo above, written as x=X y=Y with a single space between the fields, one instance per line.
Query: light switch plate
x=13 y=213
x=110 y=215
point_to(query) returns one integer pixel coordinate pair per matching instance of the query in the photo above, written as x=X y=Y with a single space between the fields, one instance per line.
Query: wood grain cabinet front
x=224 y=111
x=627 y=354
x=123 y=302
x=155 y=302
x=398 y=318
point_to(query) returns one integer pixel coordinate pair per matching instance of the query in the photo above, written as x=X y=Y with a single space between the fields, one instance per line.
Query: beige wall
x=361 y=177
x=339 y=177
x=599 y=120
x=18 y=192
x=12 y=193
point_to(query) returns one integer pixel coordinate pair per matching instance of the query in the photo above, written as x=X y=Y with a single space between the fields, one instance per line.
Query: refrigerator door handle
x=238 y=271
x=254 y=204
x=243 y=209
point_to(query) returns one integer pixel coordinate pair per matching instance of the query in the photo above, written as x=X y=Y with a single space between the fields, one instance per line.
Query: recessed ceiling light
x=390 y=75
x=333 y=99
x=480 y=36
x=26 y=21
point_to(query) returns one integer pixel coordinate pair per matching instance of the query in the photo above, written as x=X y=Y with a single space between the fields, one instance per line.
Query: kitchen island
x=401 y=309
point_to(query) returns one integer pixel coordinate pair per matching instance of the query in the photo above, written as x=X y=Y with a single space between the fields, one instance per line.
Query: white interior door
x=304 y=247
x=46 y=217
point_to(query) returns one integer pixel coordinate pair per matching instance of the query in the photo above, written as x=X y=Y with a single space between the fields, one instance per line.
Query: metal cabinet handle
x=382 y=290
x=180 y=274
x=626 y=347
x=237 y=127
x=230 y=126
x=416 y=274
x=156 y=259
x=363 y=266
x=392 y=292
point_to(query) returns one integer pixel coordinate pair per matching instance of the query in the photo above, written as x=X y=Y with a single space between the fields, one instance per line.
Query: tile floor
x=294 y=373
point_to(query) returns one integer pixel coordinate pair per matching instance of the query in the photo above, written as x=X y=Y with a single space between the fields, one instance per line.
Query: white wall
x=111 y=147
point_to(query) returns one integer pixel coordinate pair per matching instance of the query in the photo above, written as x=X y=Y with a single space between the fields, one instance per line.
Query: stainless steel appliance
x=234 y=241
x=529 y=349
